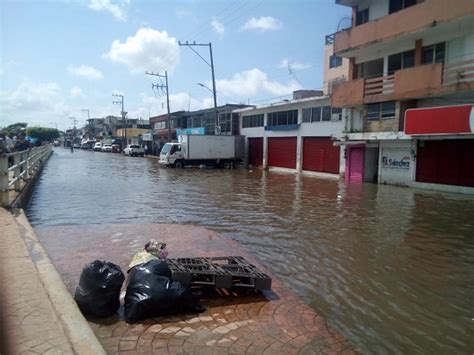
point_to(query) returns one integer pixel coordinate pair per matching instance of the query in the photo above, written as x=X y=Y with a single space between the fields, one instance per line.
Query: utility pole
x=88 y=121
x=163 y=86
x=211 y=64
x=74 y=121
x=124 y=120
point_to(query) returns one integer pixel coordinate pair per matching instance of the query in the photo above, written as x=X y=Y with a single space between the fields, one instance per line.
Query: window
x=326 y=113
x=397 y=5
x=316 y=114
x=312 y=114
x=433 y=54
x=283 y=118
x=335 y=61
x=252 y=121
x=225 y=121
x=401 y=61
x=362 y=16
x=336 y=114
x=381 y=110
x=306 y=115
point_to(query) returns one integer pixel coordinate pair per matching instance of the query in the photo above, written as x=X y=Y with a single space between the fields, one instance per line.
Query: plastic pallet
x=220 y=272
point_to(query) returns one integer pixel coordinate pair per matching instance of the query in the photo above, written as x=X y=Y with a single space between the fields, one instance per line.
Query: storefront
x=282 y=152
x=319 y=154
x=445 y=148
x=255 y=151
x=397 y=162
x=355 y=163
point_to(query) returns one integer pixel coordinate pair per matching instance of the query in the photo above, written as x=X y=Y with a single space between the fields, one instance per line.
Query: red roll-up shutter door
x=282 y=152
x=256 y=151
x=449 y=162
x=319 y=154
x=356 y=164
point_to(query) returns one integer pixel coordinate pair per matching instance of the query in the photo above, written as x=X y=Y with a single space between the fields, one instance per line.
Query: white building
x=296 y=135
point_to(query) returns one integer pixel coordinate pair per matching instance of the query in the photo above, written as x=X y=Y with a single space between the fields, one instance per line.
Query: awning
x=440 y=120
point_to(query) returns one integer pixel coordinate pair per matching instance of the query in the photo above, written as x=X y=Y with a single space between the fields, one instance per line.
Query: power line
x=162 y=87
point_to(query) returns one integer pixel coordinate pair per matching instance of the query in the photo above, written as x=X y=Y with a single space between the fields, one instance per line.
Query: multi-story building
x=299 y=135
x=410 y=92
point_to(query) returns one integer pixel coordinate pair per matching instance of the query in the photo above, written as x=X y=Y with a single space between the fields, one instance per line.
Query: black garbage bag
x=152 y=293
x=98 y=293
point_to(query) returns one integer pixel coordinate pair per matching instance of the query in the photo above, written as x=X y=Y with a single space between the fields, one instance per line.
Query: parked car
x=98 y=147
x=134 y=150
x=107 y=148
x=56 y=143
x=77 y=145
x=116 y=148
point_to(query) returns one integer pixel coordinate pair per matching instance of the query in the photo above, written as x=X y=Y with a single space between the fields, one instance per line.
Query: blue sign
x=196 y=130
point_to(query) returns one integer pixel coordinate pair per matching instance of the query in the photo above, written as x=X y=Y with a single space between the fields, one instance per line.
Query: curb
x=76 y=327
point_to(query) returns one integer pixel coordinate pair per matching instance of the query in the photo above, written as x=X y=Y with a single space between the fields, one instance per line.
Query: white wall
x=391 y=154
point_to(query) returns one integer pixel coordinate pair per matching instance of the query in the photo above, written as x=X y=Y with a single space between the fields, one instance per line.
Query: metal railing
x=458 y=72
x=379 y=85
x=17 y=168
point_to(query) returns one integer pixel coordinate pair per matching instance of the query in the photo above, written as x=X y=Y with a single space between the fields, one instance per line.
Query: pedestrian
x=146 y=149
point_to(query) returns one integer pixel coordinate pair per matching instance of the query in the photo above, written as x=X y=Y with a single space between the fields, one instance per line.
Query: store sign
x=196 y=130
x=397 y=163
x=440 y=120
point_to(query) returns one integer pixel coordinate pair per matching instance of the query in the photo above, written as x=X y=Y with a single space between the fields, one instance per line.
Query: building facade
x=410 y=93
x=296 y=135
x=195 y=122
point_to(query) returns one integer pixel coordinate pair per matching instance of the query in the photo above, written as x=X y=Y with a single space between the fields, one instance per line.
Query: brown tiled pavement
x=274 y=322
x=30 y=322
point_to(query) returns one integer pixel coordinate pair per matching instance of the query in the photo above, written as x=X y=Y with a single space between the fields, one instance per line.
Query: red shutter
x=356 y=164
x=449 y=162
x=282 y=152
x=256 y=151
x=319 y=154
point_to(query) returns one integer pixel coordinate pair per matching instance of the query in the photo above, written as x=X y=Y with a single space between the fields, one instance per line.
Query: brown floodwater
x=391 y=268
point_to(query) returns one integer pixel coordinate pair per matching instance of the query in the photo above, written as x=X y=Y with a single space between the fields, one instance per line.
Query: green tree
x=43 y=133
x=15 y=129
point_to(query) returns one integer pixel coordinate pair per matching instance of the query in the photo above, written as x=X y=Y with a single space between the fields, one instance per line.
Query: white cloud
x=117 y=9
x=148 y=49
x=86 y=72
x=218 y=28
x=34 y=103
x=181 y=13
x=156 y=105
x=253 y=82
x=285 y=63
x=262 y=24
x=76 y=91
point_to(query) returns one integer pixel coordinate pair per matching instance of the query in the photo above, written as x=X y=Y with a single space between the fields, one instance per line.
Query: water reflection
x=392 y=268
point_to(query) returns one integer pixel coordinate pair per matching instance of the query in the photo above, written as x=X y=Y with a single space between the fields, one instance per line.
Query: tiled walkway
x=29 y=322
x=275 y=322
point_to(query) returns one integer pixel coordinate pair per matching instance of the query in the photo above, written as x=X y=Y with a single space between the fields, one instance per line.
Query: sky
x=60 y=58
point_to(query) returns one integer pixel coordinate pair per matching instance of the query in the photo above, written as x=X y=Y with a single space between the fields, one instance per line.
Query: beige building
x=410 y=92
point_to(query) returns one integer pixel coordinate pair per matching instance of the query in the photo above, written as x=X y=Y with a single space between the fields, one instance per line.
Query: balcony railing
x=459 y=72
x=380 y=85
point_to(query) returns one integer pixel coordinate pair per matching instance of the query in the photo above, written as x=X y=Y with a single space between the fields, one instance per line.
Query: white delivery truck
x=194 y=149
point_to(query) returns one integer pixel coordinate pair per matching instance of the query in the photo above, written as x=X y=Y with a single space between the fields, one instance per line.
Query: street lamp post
x=215 y=107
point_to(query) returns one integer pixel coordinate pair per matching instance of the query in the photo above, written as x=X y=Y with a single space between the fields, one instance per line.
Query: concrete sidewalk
x=38 y=315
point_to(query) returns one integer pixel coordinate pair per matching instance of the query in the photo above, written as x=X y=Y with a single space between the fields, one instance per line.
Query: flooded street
x=391 y=268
